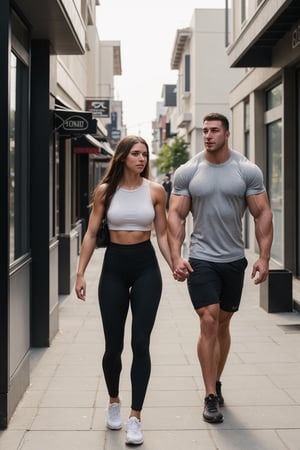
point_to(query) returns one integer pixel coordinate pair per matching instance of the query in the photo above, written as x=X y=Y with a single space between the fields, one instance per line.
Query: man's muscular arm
x=258 y=206
x=178 y=211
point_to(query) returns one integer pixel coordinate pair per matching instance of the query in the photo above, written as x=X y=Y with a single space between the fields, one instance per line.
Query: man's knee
x=209 y=322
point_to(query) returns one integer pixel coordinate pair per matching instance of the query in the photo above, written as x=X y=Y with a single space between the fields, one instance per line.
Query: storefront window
x=274 y=133
x=273 y=124
x=12 y=153
x=54 y=189
x=19 y=164
x=246 y=152
x=298 y=170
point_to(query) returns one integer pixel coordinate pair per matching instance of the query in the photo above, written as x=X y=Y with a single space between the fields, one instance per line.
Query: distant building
x=204 y=77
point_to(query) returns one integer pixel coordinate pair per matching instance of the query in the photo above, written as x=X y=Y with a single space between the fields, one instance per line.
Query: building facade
x=54 y=148
x=204 y=79
x=265 y=108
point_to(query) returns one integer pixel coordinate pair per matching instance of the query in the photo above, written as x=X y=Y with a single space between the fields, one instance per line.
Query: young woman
x=130 y=273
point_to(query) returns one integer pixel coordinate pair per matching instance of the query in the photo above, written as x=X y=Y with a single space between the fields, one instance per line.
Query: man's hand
x=260 y=270
x=181 y=269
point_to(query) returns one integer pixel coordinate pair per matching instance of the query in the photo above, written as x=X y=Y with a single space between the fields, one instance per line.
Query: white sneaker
x=114 y=421
x=134 y=432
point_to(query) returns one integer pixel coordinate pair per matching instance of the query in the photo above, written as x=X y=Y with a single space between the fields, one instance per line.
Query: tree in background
x=172 y=156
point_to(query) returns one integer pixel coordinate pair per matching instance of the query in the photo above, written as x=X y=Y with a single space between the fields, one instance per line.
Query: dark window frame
x=19 y=148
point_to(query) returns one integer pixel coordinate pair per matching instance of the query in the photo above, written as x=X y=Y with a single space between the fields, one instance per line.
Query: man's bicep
x=180 y=204
x=258 y=203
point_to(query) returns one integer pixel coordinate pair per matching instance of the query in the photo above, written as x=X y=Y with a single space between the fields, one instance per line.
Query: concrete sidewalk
x=65 y=405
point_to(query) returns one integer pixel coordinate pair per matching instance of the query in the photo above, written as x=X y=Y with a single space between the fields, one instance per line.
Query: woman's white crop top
x=131 y=209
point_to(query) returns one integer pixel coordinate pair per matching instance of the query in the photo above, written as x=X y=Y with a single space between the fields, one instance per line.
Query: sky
x=146 y=31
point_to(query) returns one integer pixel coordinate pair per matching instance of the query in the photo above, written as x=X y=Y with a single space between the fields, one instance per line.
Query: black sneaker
x=219 y=393
x=211 y=411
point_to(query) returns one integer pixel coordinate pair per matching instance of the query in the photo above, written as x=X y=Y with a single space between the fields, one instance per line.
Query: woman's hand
x=80 y=287
x=182 y=269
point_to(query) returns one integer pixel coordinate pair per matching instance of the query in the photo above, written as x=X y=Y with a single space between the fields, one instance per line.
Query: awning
x=89 y=144
x=101 y=144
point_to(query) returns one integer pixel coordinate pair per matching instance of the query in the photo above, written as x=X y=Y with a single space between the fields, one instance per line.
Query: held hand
x=182 y=269
x=260 y=270
x=80 y=287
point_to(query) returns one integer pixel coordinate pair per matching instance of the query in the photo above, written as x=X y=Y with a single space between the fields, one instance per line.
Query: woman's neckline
x=132 y=187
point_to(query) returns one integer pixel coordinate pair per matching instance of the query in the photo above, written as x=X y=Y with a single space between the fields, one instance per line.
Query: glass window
x=246 y=152
x=275 y=185
x=13 y=76
x=274 y=97
x=244 y=10
x=54 y=189
x=187 y=73
x=273 y=123
x=227 y=23
x=19 y=160
x=246 y=116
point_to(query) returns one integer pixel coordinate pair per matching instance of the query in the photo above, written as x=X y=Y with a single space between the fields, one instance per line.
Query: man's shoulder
x=249 y=171
x=185 y=173
x=240 y=157
x=243 y=161
x=192 y=163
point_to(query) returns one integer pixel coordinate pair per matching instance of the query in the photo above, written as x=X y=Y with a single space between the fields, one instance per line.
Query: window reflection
x=274 y=132
x=18 y=160
x=274 y=97
x=12 y=140
x=275 y=174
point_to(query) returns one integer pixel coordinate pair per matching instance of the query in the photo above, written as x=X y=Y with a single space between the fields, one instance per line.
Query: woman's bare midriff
x=126 y=237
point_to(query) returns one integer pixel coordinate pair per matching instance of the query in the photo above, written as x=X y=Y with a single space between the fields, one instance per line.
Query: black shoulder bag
x=102 y=237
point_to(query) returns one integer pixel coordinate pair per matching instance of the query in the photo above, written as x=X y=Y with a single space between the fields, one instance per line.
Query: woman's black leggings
x=130 y=275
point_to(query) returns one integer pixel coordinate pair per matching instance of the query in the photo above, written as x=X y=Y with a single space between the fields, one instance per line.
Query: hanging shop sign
x=296 y=37
x=115 y=135
x=98 y=106
x=73 y=123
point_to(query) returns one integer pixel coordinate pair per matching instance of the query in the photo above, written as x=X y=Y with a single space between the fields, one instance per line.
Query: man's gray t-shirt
x=218 y=193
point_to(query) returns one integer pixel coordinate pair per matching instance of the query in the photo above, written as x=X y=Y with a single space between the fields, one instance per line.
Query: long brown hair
x=115 y=170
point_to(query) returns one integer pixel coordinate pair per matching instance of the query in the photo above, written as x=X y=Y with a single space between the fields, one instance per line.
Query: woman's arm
x=89 y=241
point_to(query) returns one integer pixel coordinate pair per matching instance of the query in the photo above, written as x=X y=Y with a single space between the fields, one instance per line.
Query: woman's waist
x=126 y=237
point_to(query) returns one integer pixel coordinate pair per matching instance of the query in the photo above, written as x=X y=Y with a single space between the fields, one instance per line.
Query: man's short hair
x=217 y=116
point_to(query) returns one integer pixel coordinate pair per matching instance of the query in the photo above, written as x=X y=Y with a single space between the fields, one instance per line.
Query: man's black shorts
x=212 y=283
